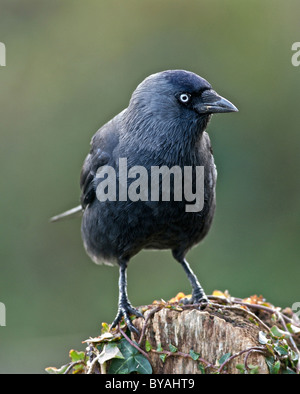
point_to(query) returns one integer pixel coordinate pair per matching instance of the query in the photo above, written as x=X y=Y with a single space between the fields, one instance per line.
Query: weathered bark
x=211 y=333
x=179 y=338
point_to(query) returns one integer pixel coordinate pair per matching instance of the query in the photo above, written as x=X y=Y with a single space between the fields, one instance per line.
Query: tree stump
x=211 y=333
x=230 y=335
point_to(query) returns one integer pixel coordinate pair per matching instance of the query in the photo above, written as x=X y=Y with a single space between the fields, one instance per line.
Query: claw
x=125 y=311
x=202 y=300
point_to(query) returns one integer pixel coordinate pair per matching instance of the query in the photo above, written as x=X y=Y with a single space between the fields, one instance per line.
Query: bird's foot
x=197 y=298
x=202 y=301
x=126 y=310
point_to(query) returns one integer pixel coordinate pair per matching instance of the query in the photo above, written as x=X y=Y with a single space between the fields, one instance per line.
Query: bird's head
x=175 y=95
x=172 y=108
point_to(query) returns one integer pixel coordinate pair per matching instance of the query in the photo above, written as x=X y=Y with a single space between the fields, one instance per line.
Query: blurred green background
x=71 y=66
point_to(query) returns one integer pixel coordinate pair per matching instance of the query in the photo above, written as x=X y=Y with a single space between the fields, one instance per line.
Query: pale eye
x=184 y=97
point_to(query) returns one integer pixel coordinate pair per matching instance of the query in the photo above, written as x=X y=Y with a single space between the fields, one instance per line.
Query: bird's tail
x=70 y=213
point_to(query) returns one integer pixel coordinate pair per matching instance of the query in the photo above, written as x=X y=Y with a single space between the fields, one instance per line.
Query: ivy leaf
x=293 y=329
x=142 y=365
x=276 y=367
x=123 y=371
x=105 y=337
x=201 y=368
x=194 y=355
x=282 y=351
x=270 y=348
x=148 y=346
x=163 y=357
x=76 y=356
x=173 y=348
x=289 y=371
x=159 y=348
x=224 y=358
x=273 y=366
x=109 y=352
x=277 y=333
x=105 y=328
x=133 y=360
x=294 y=356
x=56 y=371
x=241 y=368
x=262 y=338
x=254 y=369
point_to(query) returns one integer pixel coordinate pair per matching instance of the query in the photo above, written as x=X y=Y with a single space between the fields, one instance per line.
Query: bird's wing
x=88 y=173
x=103 y=144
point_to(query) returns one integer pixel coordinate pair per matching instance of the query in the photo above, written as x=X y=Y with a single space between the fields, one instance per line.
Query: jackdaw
x=163 y=125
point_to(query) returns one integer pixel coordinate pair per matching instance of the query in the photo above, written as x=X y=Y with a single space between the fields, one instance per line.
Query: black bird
x=164 y=125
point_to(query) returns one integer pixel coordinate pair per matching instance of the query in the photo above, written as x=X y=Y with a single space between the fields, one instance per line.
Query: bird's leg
x=125 y=308
x=198 y=295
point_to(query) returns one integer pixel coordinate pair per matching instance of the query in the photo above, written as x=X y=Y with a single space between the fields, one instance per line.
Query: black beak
x=212 y=103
